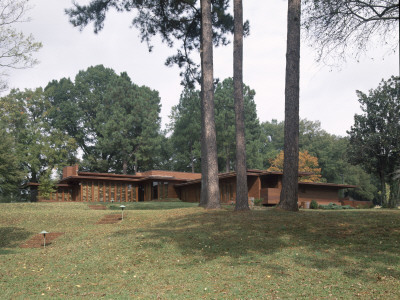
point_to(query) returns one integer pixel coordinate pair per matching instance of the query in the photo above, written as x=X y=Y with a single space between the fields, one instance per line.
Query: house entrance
x=141 y=192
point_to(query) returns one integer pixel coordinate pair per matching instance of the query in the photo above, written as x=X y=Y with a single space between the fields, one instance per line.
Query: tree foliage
x=307 y=164
x=331 y=151
x=375 y=135
x=11 y=175
x=39 y=147
x=16 y=49
x=336 y=26
x=186 y=131
x=115 y=122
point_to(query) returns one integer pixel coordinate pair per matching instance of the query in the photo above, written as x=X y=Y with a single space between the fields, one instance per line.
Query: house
x=264 y=185
x=79 y=186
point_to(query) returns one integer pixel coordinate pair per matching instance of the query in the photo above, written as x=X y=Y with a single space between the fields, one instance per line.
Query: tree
x=271 y=141
x=289 y=193
x=16 y=49
x=225 y=125
x=47 y=185
x=11 y=175
x=115 y=122
x=209 y=152
x=186 y=132
x=335 y=26
x=39 y=146
x=307 y=164
x=129 y=124
x=186 y=129
x=241 y=167
x=375 y=135
x=331 y=151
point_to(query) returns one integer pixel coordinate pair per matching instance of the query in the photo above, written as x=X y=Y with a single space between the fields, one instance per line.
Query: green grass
x=188 y=253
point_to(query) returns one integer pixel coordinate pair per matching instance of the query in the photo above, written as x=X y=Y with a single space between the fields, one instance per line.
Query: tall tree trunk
x=289 y=193
x=203 y=192
x=242 y=202
x=209 y=141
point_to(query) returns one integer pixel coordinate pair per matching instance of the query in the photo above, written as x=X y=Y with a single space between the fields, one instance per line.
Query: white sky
x=325 y=95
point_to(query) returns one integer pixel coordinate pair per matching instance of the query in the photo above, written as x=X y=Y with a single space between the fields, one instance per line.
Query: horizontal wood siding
x=323 y=195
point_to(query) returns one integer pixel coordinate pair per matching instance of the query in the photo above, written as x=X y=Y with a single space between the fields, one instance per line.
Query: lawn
x=180 y=251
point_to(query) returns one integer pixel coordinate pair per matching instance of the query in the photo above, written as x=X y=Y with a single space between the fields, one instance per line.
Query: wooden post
x=98 y=191
x=87 y=191
x=126 y=192
x=109 y=191
x=92 y=192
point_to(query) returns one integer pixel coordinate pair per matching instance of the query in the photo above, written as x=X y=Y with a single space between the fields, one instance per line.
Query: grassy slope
x=172 y=252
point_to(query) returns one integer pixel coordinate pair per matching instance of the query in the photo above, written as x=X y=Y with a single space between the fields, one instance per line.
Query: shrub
x=313 y=204
x=258 y=202
x=335 y=206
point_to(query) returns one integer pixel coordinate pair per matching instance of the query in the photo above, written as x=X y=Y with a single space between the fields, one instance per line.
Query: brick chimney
x=70 y=171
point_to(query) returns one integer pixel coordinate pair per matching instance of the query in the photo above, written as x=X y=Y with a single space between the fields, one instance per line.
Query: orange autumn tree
x=307 y=164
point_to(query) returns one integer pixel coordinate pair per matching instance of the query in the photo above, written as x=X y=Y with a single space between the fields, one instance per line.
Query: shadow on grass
x=352 y=241
x=11 y=237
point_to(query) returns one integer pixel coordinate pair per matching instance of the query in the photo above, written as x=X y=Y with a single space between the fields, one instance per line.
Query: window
x=154 y=191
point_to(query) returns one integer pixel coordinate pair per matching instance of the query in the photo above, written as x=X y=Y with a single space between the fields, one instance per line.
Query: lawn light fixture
x=122 y=207
x=44 y=237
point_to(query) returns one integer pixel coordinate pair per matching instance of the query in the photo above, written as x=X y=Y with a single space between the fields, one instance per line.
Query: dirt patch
x=110 y=219
x=37 y=240
x=98 y=207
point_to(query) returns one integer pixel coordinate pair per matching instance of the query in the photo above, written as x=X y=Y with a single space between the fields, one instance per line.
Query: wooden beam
x=92 y=193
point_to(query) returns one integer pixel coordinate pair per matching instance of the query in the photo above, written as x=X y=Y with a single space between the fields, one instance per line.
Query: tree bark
x=289 y=193
x=242 y=202
x=203 y=191
x=209 y=141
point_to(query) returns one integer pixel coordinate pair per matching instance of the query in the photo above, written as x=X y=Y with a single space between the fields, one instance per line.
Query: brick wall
x=70 y=171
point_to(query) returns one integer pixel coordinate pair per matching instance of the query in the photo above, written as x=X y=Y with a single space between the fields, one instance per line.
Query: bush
x=258 y=202
x=335 y=206
x=313 y=204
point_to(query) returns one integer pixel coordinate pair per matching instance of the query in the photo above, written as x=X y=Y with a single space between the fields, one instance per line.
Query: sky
x=326 y=94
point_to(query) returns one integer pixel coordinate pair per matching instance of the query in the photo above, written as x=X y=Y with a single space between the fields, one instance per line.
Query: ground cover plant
x=188 y=252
